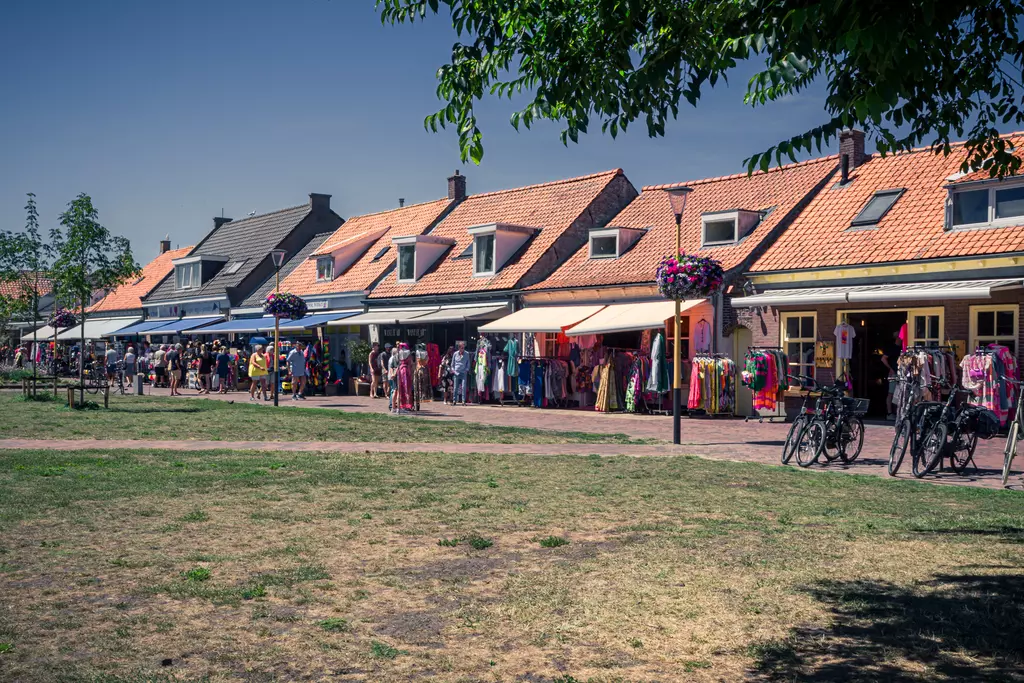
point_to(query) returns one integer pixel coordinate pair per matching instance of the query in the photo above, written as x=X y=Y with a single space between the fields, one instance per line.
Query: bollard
x=24 y=387
x=139 y=384
x=106 y=395
x=71 y=397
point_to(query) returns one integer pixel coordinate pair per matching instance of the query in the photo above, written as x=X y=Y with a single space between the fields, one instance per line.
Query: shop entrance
x=874 y=337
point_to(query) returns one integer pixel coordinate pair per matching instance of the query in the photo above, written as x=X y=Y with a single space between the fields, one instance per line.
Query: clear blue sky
x=168 y=112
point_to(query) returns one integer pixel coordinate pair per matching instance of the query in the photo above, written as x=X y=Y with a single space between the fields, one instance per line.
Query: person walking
x=173 y=359
x=222 y=363
x=205 y=369
x=130 y=365
x=111 y=363
x=160 y=366
x=374 y=361
x=460 y=370
x=297 y=369
x=258 y=374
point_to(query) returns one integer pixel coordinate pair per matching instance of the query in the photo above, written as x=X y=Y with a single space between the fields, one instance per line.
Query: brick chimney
x=319 y=202
x=457 y=187
x=165 y=245
x=851 y=145
x=219 y=221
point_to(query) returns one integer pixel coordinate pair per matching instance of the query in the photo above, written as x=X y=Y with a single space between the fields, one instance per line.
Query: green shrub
x=553 y=542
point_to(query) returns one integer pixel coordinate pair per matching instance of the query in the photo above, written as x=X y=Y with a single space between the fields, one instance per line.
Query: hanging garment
x=500 y=378
x=434 y=364
x=422 y=387
x=658 y=381
x=525 y=380
x=512 y=351
x=405 y=372
x=607 y=391
x=702 y=336
x=845 y=334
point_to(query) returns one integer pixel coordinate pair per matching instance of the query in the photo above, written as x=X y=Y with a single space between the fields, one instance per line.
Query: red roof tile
x=553 y=207
x=912 y=230
x=129 y=296
x=780 y=189
x=409 y=220
x=16 y=287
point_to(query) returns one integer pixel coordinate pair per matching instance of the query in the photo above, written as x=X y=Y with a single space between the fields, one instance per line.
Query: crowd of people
x=393 y=376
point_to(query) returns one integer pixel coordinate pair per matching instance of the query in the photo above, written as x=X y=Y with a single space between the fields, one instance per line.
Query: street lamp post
x=677 y=197
x=278 y=256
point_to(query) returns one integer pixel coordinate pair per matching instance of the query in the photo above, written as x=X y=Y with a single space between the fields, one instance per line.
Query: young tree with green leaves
x=909 y=73
x=87 y=258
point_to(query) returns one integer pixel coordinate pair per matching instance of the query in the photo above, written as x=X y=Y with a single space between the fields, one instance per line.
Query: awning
x=42 y=334
x=141 y=327
x=451 y=314
x=96 y=328
x=239 y=326
x=541 y=319
x=389 y=316
x=630 y=317
x=316 y=320
x=183 y=324
x=962 y=289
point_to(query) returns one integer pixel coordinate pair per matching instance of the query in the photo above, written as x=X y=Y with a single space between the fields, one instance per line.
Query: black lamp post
x=677 y=197
x=278 y=256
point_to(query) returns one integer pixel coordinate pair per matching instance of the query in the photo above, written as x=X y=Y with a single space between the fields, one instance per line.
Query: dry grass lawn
x=136 y=566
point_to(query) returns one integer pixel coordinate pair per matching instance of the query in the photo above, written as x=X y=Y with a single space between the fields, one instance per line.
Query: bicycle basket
x=984 y=423
x=856 y=406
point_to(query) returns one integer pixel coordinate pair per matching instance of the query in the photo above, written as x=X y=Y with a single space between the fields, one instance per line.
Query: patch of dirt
x=422 y=628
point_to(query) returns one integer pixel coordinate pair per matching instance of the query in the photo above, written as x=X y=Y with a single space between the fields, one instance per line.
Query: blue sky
x=168 y=112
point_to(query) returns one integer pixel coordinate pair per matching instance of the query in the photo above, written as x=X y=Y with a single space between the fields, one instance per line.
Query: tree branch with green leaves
x=910 y=74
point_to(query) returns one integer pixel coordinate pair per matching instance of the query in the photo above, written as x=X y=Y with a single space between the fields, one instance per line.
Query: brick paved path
x=724 y=439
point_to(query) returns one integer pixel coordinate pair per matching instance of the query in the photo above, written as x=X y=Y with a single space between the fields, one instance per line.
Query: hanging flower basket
x=62 y=318
x=689 y=277
x=285 y=306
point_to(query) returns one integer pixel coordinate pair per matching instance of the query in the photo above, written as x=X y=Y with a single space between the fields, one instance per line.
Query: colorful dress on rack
x=607 y=391
x=405 y=373
x=422 y=388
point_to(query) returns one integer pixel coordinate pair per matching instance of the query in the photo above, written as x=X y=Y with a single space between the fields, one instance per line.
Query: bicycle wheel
x=851 y=440
x=811 y=443
x=793 y=439
x=832 y=447
x=962 y=450
x=1011 y=449
x=900 y=443
x=932 y=447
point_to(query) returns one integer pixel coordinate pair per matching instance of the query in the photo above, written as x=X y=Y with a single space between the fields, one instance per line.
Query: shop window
x=926 y=330
x=798 y=338
x=876 y=208
x=483 y=254
x=407 y=263
x=325 y=269
x=992 y=206
x=604 y=246
x=995 y=325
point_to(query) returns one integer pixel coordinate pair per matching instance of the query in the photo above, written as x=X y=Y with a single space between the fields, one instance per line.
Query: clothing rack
x=780 y=406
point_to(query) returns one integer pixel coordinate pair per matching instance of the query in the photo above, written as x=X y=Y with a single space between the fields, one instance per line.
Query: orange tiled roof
x=553 y=207
x=409 y=220
x=16 y=287
x=129 y=296
x=913 y=229
x=779 y=188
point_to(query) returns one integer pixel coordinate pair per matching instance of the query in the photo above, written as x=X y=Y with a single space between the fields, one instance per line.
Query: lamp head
x=278 y=256
x=677 y=198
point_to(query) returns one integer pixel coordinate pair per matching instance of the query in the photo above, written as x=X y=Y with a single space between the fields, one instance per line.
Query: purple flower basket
x=285 y=306
x=62 y=319
x=689 y=277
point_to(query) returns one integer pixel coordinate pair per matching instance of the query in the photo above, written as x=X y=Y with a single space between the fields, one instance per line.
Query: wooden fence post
x=106 y=394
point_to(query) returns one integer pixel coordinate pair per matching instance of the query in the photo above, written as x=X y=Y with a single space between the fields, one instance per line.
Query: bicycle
x=815 y=432
x=951 y=436
x=95 y=378
x=1015 y=432
x=789 y=449
x=913 y=421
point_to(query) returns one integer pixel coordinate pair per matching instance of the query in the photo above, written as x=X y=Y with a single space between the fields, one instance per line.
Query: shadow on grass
x=953 y=628
x=156 y=409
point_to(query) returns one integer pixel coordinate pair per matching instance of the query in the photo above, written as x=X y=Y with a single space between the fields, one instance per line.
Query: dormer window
x=192 y=272
x=407 y=263
x=997 y=205
x=417 y=254
x=495 y=244
x=876 y=208
x=612 y=242
x=483 y=255
x=719 y=228
x=325 y=269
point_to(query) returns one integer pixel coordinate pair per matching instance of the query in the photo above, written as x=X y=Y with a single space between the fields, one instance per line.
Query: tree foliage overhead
x=922 y=72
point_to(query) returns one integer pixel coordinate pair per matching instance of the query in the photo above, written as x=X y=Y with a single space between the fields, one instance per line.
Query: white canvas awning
x=96 y=328
x=631 y=317
x=388 y=316
x=452 y=314
x=551 y=319
x=44 y=332
x=910 y=291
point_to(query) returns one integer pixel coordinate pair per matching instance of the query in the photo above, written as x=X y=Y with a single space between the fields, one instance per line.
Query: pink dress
x=405 y=397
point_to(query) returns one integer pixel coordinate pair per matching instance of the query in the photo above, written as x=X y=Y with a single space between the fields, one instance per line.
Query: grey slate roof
x=249 y=240
x=257 y=297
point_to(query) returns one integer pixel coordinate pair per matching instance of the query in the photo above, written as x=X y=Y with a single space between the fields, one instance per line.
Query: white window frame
x=976 y=340
x=325 y=269
x=494 y=254
x=604 y=234
x=194 y=270
x=992 y=221
x=398 y=262
x=785 y=340
x=717 y=217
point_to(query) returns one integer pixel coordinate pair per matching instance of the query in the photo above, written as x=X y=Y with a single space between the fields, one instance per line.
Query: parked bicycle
x=1015 y=431
x=952 y=435
x=836 y=429
x=796 y=430
x=914 y=419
